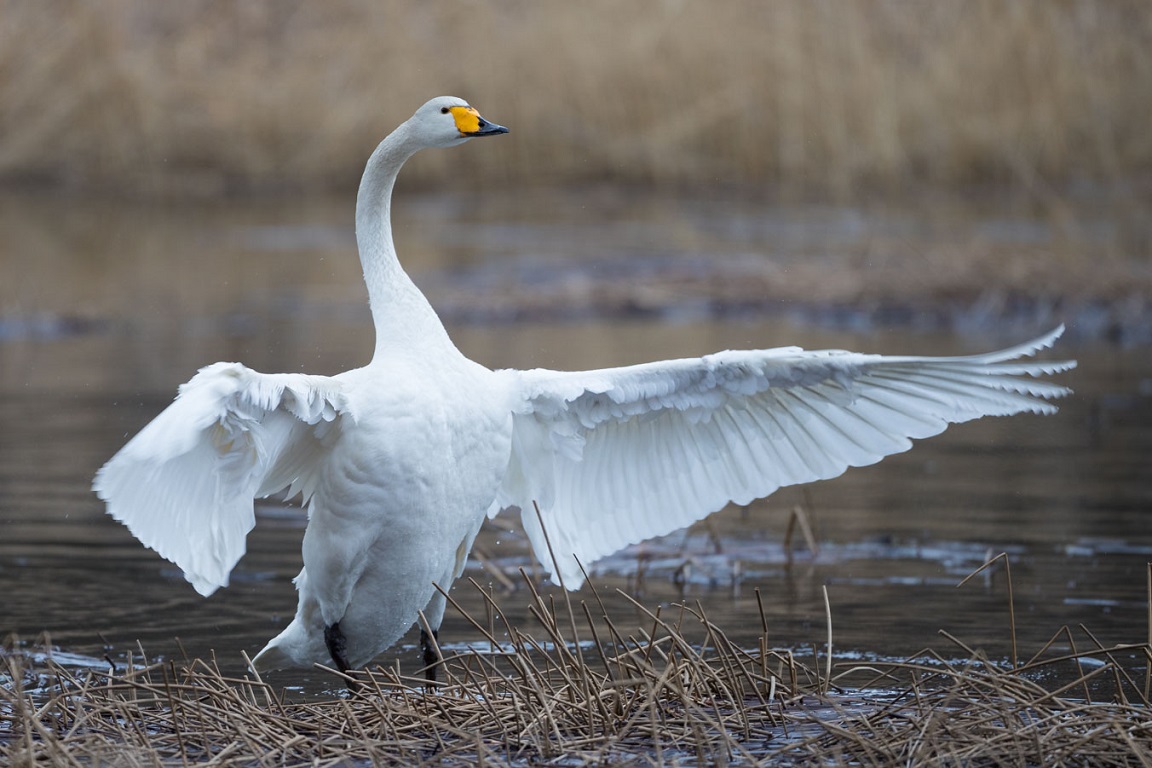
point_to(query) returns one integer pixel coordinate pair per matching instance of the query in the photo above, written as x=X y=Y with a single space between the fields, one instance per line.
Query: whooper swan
x=400 y=461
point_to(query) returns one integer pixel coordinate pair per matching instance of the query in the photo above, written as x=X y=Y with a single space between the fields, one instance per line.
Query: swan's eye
x=443 y=110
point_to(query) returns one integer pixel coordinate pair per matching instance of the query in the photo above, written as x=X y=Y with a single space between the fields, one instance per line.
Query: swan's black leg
x=430 y=653
x=336 y=642
x=337 y=649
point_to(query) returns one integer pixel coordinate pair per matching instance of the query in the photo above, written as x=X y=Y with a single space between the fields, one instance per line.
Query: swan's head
x=447 y=121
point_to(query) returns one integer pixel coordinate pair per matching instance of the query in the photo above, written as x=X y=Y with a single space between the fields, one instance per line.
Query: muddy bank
x=1115 y=308
x=568 y=297
x=964 y=262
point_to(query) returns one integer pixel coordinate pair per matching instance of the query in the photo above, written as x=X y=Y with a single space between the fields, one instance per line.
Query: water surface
x=107 y=310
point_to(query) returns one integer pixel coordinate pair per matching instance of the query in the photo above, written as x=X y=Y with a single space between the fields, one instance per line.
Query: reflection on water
x=111 y=323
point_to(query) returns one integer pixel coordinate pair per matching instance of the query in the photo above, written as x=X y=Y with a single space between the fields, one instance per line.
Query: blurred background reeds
x=210 y=96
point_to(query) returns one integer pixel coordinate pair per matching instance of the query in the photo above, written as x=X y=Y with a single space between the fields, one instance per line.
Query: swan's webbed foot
x=431 y=654
x=337 y=645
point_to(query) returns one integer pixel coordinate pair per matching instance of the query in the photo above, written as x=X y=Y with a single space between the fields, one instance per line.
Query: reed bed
x=205 y=96
x=578 y=689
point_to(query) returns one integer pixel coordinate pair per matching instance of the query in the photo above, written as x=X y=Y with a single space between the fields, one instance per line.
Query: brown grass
x=207 y=95
x=673 y=691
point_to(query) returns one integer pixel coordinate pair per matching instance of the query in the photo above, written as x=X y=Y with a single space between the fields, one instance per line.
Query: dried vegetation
x=581 y=690
x=206 y=95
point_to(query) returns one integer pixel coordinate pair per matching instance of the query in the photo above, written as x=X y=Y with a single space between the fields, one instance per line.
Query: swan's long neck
x=405 y=321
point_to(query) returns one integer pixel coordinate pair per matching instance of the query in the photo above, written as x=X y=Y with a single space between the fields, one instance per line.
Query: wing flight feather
x=615 y=456
x=185 y=484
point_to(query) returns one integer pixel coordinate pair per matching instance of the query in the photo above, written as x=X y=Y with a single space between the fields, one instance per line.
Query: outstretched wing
x=615 y=456
x=185 y=484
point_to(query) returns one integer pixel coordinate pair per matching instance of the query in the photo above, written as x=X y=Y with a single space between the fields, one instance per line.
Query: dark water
x=105 y=312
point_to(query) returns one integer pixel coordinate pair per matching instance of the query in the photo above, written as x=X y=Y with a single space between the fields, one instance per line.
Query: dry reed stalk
x=1148 y=668
x=1011 y=597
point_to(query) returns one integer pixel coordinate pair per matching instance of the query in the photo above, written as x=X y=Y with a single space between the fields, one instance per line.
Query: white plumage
x=400 y=461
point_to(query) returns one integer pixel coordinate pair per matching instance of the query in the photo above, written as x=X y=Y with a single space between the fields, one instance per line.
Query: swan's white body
x=400 y=461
